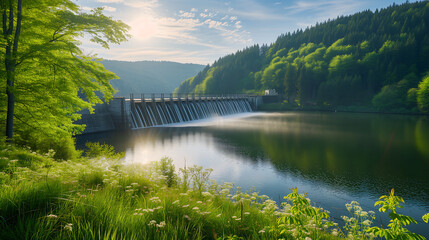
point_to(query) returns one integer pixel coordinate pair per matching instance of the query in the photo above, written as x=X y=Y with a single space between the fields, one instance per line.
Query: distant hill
x=149 y=76
x=378 y=60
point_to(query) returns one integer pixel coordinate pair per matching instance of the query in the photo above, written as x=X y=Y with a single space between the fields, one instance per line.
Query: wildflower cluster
x=300 y=220
x=358 y=224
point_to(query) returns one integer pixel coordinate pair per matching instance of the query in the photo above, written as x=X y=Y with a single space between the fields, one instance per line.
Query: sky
x=202 y=31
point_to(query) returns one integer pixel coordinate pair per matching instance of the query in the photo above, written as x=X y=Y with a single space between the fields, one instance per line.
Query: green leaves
x=426 y=217
x=54 y=79
x=423 y=95
x=302 y=217
x=397 y=223
x=390 y=202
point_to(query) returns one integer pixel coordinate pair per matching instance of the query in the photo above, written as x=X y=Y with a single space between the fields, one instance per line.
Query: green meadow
x=100 y=197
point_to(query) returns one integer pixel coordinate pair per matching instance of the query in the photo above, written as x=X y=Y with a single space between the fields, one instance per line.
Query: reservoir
x=335 y=157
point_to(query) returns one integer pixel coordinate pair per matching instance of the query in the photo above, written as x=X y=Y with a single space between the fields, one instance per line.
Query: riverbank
x=283 y=106
x=99 y=197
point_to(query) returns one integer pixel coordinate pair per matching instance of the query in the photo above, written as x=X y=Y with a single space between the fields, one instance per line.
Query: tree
x=11 y=47
x=48 y=76
x=423 y=95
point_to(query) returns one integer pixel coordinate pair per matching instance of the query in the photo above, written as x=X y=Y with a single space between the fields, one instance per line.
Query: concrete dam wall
x=123 y=113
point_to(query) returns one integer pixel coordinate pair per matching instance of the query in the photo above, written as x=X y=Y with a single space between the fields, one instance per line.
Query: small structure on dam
x=156 y=110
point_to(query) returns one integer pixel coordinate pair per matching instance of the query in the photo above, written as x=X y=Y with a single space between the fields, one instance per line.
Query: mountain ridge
x=148 y=76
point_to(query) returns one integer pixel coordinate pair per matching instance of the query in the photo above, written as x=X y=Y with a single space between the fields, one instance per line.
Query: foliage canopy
x=53 y=79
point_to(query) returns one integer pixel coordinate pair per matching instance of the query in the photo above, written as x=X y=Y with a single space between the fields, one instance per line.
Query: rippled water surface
x=335 y=157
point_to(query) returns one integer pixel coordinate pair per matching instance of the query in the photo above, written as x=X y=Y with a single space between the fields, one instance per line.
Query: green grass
x=101 y=198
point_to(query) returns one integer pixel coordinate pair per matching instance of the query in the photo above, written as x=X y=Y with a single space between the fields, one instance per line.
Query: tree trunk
x=10 y=62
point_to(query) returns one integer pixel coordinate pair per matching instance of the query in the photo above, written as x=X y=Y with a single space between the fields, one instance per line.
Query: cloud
x=187 y=15
x=194 y=35
x=238 y=24
x=202 y=56
x=215 y=24
x=86 y=8
x=141 y=3
x=109 y=9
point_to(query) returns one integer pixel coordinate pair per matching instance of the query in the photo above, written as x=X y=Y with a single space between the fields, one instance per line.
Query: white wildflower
x=69 y=227
x=155 y=199
x=52 y=216
x=207 y=194
x=161 y=224
x=224 y=191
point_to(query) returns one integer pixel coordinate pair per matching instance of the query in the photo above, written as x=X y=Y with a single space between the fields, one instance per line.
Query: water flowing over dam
x=150 y=110
x=163 y=111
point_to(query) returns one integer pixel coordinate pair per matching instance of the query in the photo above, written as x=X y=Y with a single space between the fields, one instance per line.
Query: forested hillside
x=149 y=76
x=376 y=59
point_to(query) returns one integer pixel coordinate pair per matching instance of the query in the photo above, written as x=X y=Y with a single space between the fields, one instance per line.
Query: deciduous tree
x=48 y=77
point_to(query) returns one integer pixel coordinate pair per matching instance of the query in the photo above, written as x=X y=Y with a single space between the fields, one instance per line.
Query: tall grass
x=101 y=198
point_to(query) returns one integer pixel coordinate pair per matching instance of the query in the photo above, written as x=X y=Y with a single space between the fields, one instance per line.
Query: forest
x=378 y=60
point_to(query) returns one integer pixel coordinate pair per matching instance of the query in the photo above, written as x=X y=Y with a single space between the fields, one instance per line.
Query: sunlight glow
x=143 y=27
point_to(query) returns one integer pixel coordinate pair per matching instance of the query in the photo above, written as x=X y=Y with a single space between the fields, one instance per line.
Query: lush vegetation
x=149 y=76
x=98 y=197
x=372 y=59
x=46 y=77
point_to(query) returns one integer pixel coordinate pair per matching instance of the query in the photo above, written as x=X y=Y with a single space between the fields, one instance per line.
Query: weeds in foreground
x=398 y=221
x=101 y=198
x=359 y=223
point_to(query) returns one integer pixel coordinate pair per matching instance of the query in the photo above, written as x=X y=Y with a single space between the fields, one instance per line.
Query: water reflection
x=335 y=157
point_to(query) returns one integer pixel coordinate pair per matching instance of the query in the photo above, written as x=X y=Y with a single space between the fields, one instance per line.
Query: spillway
x=158 y=113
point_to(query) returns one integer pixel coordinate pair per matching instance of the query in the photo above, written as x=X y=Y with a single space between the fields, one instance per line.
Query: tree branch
x=17 y=31
x=4 y=23
x=10 y=29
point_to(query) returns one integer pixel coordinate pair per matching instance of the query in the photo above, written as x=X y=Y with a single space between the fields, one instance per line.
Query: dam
x=151 y=110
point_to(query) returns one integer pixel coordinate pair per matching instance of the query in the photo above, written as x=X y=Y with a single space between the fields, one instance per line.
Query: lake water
x=335 y=157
